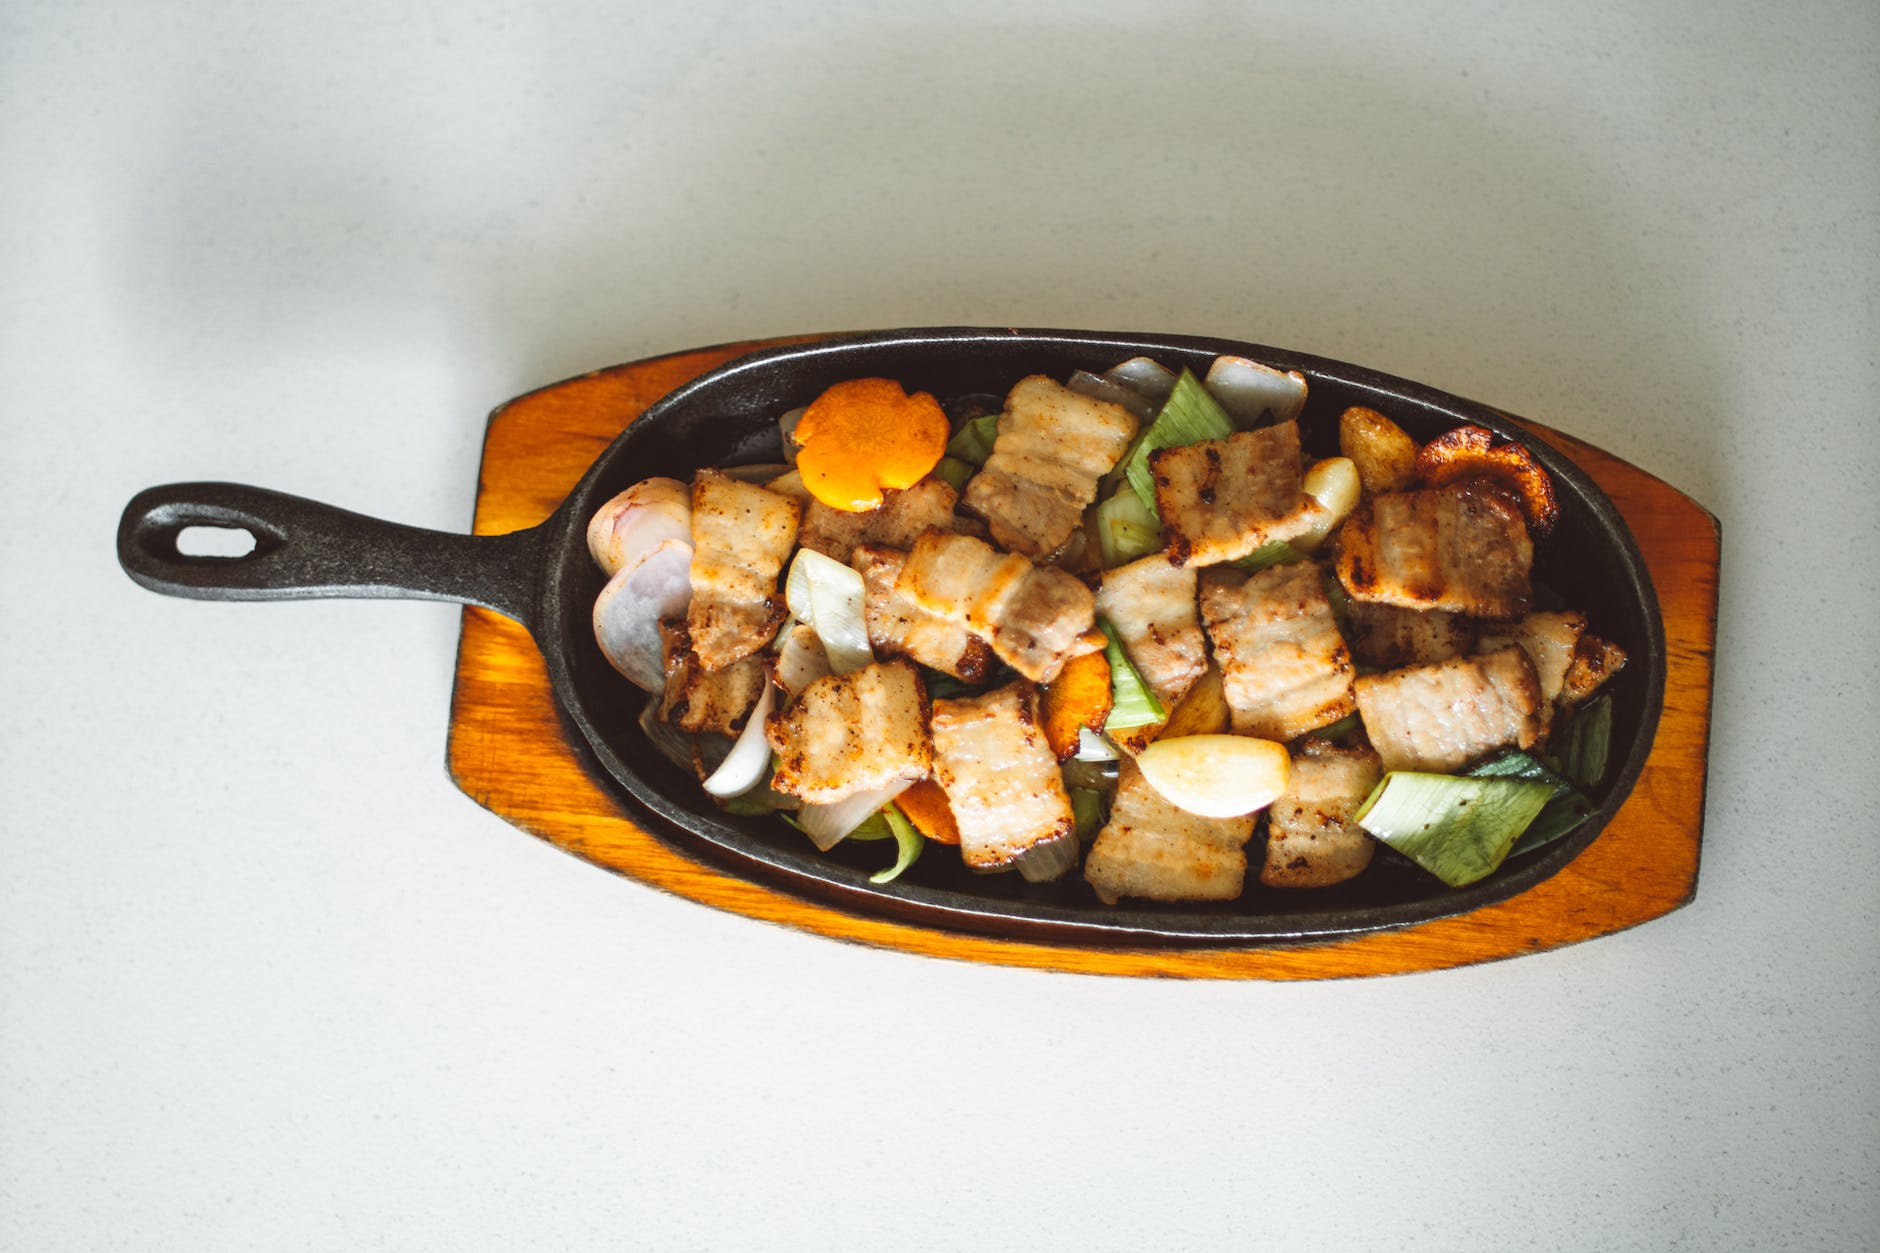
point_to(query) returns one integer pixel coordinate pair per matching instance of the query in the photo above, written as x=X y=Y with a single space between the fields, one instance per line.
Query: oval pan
x=729 y=416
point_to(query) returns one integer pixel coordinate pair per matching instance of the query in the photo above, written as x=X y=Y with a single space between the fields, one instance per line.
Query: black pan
x=544 y=578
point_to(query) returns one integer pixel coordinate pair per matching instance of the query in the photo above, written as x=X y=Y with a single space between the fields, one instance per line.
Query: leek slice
x=1127 y=529
x=954 y=472
x=973 y=442
x=1133 y=704
x=1087 y=809
x=1273 y=553
x=1587 y=743
x=1457 y=827
x=1189 y=416
x=828 y=597
x=1566 y=809
x=889 y=822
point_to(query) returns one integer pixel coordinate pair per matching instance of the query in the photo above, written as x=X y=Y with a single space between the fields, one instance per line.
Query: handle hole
x=223 y=542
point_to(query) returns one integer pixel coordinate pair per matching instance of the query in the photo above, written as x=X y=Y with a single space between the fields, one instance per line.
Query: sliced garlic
x=1216 y=776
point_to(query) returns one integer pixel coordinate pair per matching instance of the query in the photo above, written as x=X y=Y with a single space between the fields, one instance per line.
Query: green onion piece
x=1340 y=729
x=1087 y=809
x=907 y=840
x=954 y=472
x=1566 y=808
x=1456 y=827
x=759 y=800
x=973 y=442
x=1276 y=553
x=873 y=827
x=943 y=686
x=1588 y=743
x=1127 y=529
x=1132 y=703
x=1189 y=416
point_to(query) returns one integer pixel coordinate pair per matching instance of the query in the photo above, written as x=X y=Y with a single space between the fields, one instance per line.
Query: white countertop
x=268 y=980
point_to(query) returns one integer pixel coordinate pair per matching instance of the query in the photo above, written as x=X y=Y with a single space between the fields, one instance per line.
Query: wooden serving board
x=508 y=751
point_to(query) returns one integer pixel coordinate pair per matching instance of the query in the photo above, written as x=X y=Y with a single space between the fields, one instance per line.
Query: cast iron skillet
x=544 y=578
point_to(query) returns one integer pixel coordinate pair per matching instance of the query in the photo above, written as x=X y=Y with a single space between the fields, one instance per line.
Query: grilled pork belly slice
x=1389 y=636
x=1151 y=849
x=1441 y=717
x=1569 y=661
x=1285 y=669
x=1151 y=605
x=897 y=523
x=1223 y=498
x=1035 y=619
x=857 y=732
x=1052 y=447
x=1594 y=661
x=897 y=626
x=741 y=536
x=1463 y=549
x=697 y=699
x=1001 y=778
x=1312 y=840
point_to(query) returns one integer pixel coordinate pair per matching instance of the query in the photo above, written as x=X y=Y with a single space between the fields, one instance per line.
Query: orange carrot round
x=867 y=435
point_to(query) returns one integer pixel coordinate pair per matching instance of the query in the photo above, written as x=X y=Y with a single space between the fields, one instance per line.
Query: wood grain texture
x=507 y=749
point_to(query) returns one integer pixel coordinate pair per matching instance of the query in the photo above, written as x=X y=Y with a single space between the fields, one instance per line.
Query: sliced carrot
x=925 y=804
x=1079 y=697
x=864 y=435
x=1469 y=452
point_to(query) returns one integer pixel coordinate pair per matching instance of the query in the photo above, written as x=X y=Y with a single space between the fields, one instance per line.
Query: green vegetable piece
x=1587 y=743
x=1275 y=553
x=908 y=842
x=954 y=472
x=1566 y=809
x=1127 y=529
x=1188 y=416
x=1132 y=703
x=1087 y=810
x=1457 y=827
x=973 y=442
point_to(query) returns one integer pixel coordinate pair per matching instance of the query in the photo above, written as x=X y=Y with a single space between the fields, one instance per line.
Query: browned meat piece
x=1223 y=498
x=1151 y=849
x=1052 y=447
x=900 y=520
x=1151 y=604
x=1001 y=778
x=1594 y=661
x=899 y=627
x=1035 y=619
x=1442 y=717
x=697 y=699
x=851 y=733
x=1285 y=669
x=1464 y=549
x=1569 y=662
x=741 y=536
x=1388 y=636
x=1311 y=838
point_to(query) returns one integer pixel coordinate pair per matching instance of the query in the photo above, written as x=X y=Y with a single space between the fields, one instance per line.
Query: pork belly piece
x=1035 y=619
x=1594 y=661
x=1151 y=849
x=897 y=523
x=1223 y=498
x=1285 y=669
x=1001 y=778
x=1052 y=447
x=1151 y=604
x=741 y=536
x=1388 y=636
x=898 y=627
x=852 y=733
x=1463 y=549
x=1444 y=716
x=1569 y=661
x=697 y=699
x=1312 y=840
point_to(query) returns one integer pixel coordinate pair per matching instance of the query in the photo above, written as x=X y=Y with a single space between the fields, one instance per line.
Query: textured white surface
x=267 y=980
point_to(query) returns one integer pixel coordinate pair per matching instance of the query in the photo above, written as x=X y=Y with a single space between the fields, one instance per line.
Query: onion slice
x=1250 y=391
x=828 y=825
x=748 y=761
x=829 y=597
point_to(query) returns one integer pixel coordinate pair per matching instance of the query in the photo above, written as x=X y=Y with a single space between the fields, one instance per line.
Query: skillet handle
x=305 y=550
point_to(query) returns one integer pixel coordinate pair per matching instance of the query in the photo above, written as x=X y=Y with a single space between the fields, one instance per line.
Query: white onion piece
x=1100 y=388
x=1249 y=391
x=791 y=485
x=786 y=426
x=828 y=825
x=1140 y=374
x=1048 y=860
x=1094 y=747
x=829 y=597
x=639 y=520
x=667 y=740
x=627 y=612
x=744 y=767
x=801 y=658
